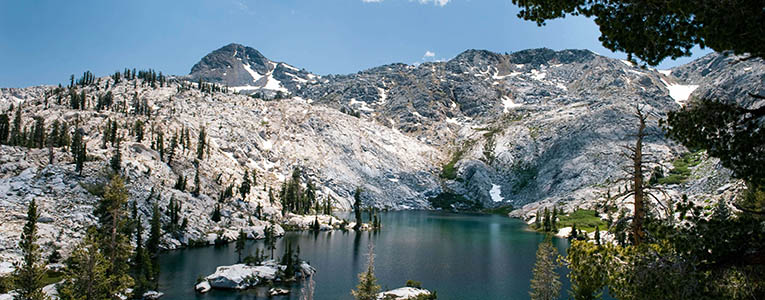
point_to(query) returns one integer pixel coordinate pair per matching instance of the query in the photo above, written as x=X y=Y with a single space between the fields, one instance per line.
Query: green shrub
x=502 y=210
x=414 y=284
x=6 y=284
x=584 y=219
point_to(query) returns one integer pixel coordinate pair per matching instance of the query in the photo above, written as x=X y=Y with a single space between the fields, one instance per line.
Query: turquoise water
x=461 y=256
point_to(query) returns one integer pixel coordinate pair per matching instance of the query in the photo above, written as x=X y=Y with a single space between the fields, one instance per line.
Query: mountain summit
x=243 y=68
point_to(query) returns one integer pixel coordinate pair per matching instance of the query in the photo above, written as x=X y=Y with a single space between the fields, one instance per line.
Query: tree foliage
x=545 y=282
x=367 y=289
x=655 y=30
x=28 y=276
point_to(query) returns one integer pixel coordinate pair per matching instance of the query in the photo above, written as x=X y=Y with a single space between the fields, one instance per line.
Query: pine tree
x=545 y=283
x=173 y=145
x=216 y=214
x=240 y=243
x=597 y=235
x=116 y=161
x=244 y=189
x=16 y=139
x=53 y=137
x=201 y=143
x=155 y=233
x=554 y=220
x=78 y=149
x=38 y=133
x=140 y=265
x=5 y=128
x=86 y=272
x=111 y=213
x=368 y=287
x=315 y=226
x=573 y=234
x=197 y=186
x=546 y=222
x=29 y=274
x=357 y=208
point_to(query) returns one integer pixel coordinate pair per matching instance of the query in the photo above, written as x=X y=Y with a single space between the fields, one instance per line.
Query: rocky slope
x=530 y=128
x=335 y=151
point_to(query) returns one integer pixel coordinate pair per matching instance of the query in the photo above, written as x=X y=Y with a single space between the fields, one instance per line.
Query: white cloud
x=435 y=2
x=429 y=54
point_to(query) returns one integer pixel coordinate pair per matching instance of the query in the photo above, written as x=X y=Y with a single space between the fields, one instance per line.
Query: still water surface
x=460 y=256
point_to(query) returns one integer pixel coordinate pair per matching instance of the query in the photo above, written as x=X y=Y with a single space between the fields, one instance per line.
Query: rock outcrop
x=242 y=276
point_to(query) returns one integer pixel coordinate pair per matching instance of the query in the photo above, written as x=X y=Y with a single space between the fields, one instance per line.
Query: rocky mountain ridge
x=530 y=128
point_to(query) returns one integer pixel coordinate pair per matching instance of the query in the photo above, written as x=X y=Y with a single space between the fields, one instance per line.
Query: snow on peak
x=255 y=75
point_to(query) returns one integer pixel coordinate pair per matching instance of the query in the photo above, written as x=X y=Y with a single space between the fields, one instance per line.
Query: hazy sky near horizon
x=43 y=42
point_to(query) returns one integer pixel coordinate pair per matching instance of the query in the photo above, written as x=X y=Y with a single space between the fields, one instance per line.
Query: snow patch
x=680 y=92
x=509 y=104
x=496 y=193
x=538 y=75
x=237 y=89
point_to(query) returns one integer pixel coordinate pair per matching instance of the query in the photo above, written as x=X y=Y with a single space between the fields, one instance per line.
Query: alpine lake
x=460 y=256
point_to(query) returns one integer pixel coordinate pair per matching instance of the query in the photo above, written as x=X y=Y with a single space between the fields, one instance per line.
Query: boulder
x=152 y=295
x=277 y=292
x=202 y=287
x=403 y=293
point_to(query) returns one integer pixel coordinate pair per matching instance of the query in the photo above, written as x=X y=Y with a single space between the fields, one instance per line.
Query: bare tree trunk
x=637 y=177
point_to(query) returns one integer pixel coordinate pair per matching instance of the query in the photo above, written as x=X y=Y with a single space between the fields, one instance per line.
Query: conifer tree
x=197 y=187
x=53 y=137
x=368 y=287
x=16 y=139
x=545 y=283
x=201 y=143
x=554 y=220
x=5 y=128
x=28 y=276
x=111 y=213
x=216 y=214
x=597 y=235
x=79 y=149
x=38 y=133
x=155 y=233
x=357 y=208
x=173 y=145
x=546 y=222
x=244 y=189
x=86 y=272
x=140 y=264
x=116 y=161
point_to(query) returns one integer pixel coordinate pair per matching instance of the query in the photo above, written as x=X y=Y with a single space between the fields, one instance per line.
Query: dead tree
x=638 y=188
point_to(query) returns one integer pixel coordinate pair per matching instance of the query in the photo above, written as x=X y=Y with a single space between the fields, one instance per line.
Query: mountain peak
x=245 y=68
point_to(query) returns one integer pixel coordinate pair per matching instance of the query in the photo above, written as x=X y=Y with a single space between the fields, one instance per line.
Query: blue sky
x=42 y=42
